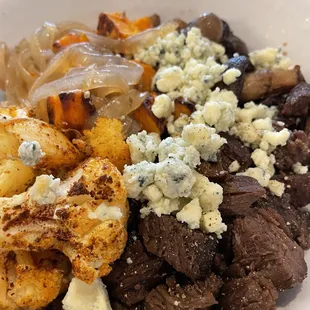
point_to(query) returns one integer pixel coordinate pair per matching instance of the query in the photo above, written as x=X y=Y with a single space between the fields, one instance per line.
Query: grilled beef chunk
x=260 y=245
x=56 y=304
x=172 y=296
x=225 y=244
x=188 y=251
x=215 y=172
x=116 y=305
x=298 y=101
x=298 y=186
x=240 y=192
x=297 y=149
x=253 y=292
x=136 y=273
x=296 y=221
x=232 y=43
x=243 y=64
x=233 y=150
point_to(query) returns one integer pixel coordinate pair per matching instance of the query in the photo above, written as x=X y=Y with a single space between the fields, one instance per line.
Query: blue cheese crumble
x=143 y=146
x=30 y=153
x=270 y=58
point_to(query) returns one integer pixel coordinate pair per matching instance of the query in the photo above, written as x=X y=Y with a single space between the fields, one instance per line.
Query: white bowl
x=260 y=23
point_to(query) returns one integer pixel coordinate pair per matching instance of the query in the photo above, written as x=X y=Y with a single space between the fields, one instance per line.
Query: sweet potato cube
x=69 y=110
x=182 y=106
x=68 y=39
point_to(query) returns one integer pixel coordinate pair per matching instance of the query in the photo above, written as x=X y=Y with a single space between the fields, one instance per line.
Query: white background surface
x=260 y=23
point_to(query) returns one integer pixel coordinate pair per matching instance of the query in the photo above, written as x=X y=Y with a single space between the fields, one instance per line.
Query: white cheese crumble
x=175 y=127
x=211 y=222
x=82 y=296
x=162 y=206
x=270 y=58
x=178 y=49
x=204 y=139
x=129 y=261
x=188 y=65
x=259 y=174
x=234 y=166
x=178 y=148
x=230 y=76
x=253 y=111
x=104 y=212
x=152 y=193
x=138 y=177
x=298 y=168
x=143 y=146
x=163 y=106
x=44 y=190
x=30 y=153
x=191 y=214
x=276 y=187
x=174 y=178
x=169 y=79
x=210 y=194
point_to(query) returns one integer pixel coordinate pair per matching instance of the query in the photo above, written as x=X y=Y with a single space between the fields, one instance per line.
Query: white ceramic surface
x=260 y=23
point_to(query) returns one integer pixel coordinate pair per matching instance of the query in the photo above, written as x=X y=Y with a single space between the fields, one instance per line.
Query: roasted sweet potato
x=69 y=110
x=118 y=26
x=107 y=141
x=182 y=106
x=261 y=83
x=145 y=83
x=69 y=39
x=147 y=119
x=147 y=22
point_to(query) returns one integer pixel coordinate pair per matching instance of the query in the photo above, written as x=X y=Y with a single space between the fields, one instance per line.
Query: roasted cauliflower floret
x=84 y=217
x=15 y=177
x=107 y=141
x=58 y=150
x=27 y=283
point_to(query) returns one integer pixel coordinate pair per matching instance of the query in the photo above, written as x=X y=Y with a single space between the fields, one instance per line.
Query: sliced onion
x=130 y=126
x=76 y=55
x=150 y=36
x=79 y=82
x=16 y=89
x=25 y=64
x=4 y=55
x=66 y=26
x=122 y=105
x=131 y=44
x=41 y=43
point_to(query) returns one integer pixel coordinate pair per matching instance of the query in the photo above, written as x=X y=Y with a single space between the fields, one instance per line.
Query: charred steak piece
x=243 y=64
x=233 y=150
x=298 y=101
x=135 y=274
x=297 y=149
x=116 y=305
x=253 y=292
x=172 y=296
x=296 y=221
x=232 y=43
x=260 y=245
x=298 y=186
x=188 y=251
x=240 y=192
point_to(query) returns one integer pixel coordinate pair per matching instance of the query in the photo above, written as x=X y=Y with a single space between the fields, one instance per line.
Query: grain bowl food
x=150 y=165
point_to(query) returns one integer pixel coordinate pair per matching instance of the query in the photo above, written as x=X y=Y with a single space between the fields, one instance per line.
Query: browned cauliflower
x=29 y=281
x=84 y=217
